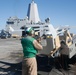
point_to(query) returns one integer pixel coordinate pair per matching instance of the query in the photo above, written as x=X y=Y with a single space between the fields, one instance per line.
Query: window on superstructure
x=10 y=22
x=46 y=26
x=21 y=19
x=36 y=27
x=47 y=30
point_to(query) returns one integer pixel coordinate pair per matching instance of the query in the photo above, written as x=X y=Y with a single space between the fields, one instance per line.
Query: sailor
x=64 y=55
x=30 y=49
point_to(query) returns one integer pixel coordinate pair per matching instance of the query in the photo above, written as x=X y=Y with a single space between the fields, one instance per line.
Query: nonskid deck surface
x=11 y=60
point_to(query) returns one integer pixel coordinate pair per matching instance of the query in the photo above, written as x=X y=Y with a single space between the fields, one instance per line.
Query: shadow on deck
x=10 y=69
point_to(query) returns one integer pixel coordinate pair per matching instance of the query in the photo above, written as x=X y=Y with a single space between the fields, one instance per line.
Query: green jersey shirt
x=28 y=48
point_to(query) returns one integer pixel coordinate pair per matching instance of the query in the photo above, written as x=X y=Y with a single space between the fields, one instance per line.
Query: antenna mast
x=32 y=0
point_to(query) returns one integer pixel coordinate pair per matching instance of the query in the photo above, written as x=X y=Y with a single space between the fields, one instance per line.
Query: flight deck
x=11 y=60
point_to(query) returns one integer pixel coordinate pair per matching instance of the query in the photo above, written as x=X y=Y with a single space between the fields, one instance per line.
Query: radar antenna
x=32 y=0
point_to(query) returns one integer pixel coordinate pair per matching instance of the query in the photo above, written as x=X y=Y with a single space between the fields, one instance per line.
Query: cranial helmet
x=29 y=30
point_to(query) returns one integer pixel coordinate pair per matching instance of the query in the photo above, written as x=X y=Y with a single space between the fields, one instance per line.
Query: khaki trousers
x=29 y=66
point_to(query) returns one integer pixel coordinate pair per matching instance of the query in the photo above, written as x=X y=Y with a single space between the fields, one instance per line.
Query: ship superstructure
x=32 y=20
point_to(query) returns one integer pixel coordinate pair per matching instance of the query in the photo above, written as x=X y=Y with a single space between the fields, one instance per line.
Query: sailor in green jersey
x=30 y=49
